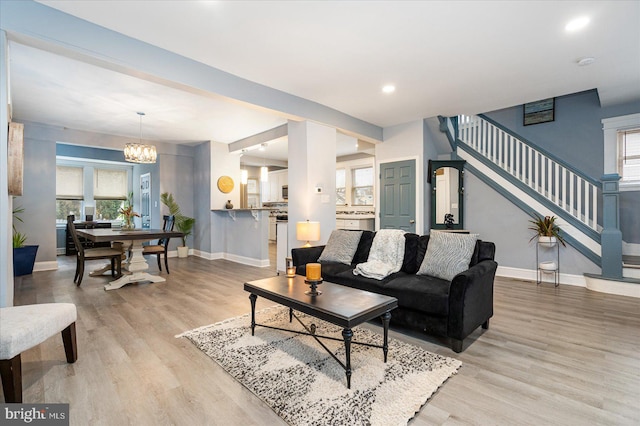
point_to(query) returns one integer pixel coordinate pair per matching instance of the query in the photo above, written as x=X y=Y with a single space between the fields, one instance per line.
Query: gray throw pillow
x=448 y=254
x=341 y=247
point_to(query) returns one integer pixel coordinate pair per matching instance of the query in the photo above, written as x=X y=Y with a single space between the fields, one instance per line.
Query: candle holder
x=290 y=268
x=313 y=284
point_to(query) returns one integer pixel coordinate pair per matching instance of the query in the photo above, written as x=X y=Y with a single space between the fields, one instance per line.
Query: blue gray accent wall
x=202 y=197
x=576 y=137
x=435 y=144
x=75 y=151
x=39 y=196
x=498 y=220
x=176 y=177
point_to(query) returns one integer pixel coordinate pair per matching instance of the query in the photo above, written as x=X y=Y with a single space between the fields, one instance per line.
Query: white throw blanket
x=386 y=255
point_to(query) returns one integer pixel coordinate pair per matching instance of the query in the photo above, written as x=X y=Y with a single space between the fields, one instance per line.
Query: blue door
x=398 y=195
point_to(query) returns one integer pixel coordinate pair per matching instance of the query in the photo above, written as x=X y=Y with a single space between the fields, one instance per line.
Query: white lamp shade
x=244 y=176
x=308 y=231
x=264 y=174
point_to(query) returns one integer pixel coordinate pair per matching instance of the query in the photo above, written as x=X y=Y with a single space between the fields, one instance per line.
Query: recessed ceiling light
x=577 y=24
x=586 y=61
x=389 y=88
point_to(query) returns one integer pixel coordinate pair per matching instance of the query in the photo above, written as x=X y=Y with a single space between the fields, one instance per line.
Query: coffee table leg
x=386 y=318
x=347 y=334
x=290 y=315
x=252 y=298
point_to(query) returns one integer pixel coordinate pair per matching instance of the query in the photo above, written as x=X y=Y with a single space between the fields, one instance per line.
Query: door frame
x=419 y=190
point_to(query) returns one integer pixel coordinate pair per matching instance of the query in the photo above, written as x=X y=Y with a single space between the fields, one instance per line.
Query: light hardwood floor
x=564 y=356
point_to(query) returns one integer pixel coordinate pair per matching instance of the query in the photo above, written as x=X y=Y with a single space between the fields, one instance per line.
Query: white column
x=312 y=165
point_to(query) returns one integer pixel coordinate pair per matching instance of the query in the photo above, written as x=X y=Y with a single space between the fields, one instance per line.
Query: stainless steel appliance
x=285 y=192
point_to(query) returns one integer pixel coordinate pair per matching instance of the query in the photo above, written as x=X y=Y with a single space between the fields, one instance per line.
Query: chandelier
x=139 y=152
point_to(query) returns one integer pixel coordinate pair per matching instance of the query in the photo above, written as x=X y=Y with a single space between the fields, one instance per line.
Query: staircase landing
x=623 y=286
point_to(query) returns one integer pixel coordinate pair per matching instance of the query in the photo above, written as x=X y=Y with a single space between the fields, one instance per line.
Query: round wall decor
x=225 y=184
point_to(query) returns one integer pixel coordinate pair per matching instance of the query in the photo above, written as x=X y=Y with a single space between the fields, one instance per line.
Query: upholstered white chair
x=23 y=327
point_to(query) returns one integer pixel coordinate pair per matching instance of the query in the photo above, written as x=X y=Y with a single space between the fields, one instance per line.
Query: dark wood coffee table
x=340 y=305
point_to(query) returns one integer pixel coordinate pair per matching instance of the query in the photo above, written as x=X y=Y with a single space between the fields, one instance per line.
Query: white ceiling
x=445 y=58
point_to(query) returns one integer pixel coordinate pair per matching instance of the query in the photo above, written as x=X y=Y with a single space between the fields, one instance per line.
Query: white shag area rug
x=304 y=385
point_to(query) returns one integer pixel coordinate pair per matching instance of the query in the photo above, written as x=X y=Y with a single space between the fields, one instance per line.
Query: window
x=109 y=192
x=362 y=189
x=341 y=187
x=69 y=192
x=629 y=155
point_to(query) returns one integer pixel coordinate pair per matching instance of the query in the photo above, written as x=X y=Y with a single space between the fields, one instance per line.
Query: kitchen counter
x=355 y=216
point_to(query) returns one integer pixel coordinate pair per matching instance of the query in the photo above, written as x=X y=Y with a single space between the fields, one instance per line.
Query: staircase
x=532 y=179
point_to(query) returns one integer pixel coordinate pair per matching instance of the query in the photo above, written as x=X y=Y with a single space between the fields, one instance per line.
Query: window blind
x=110 y=184
x=69 y=183
x=630 y=155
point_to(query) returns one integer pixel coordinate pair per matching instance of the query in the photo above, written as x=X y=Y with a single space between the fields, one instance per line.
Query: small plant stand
x=541 y=249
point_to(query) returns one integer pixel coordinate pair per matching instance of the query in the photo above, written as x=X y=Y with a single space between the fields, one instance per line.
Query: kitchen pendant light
x=139 y=152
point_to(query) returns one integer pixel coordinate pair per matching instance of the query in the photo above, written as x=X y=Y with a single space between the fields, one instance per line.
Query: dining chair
x=84 y=254
x=163 y=244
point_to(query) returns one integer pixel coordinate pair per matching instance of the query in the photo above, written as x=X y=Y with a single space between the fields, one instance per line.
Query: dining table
x=135 y=267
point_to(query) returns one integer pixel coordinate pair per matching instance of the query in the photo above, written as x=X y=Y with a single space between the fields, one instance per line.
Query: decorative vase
x=228 y=205
x=128 y=223
x=547 y=241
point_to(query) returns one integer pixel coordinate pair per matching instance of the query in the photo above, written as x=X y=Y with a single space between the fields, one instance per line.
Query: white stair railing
x=571 y=192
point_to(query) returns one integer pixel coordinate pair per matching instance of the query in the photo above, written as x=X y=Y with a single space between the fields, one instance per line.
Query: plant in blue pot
x=24 y=256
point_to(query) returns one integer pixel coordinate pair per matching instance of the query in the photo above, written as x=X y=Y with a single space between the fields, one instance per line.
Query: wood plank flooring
x=552 y=356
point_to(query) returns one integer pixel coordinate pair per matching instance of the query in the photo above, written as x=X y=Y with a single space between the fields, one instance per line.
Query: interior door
x=145 y=200
x=398 y=195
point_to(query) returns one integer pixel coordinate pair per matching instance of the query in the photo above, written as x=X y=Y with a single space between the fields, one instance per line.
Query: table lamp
x=308 y=231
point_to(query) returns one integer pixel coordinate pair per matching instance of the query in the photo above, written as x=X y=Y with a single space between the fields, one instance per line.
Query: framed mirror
x=447 y=189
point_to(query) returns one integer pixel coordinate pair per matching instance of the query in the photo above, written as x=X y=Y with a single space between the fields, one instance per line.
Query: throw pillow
x=448 y=254
x=341 y=247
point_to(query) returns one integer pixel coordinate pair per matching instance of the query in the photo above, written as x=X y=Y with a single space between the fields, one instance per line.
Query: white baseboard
x=61 y=251
x=630 y=249
x=45 y=266
x=260 y=263
x=531 y=275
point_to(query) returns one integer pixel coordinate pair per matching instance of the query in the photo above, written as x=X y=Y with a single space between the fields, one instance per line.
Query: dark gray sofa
x=452 y=309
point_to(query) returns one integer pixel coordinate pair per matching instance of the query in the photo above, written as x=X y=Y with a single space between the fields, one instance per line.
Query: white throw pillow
x=448 y=254
x=341 y=247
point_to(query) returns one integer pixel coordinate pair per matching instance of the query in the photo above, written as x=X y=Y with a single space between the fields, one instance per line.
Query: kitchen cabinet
x=272 y=190
x=355 y=224
x=282 y=247
x=272 y=228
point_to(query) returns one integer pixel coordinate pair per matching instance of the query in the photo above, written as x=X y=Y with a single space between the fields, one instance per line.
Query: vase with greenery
x=24 y=256
x=546 y=230
x=127 y=213
x=183 y=223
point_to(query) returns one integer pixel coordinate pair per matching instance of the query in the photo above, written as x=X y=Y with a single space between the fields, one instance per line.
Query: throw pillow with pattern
x=341 y=247
x=448 y=254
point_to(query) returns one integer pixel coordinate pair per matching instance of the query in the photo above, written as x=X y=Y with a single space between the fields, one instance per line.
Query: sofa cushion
x=363 y=283
x=448 y=254
x=409 y=264
x=423 y=242
x=329 y=271
x=364 y=246
x=341 y=247
x=423 y=293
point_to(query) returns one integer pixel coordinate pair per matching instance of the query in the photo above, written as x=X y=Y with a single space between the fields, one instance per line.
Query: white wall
x=312 y=163
x=6 y=206
x=224 y=164
x=404 y=142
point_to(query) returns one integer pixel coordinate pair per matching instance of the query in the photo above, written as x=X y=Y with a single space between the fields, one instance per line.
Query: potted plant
x=184 y=223
x=546 y=230
x=24 y=256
